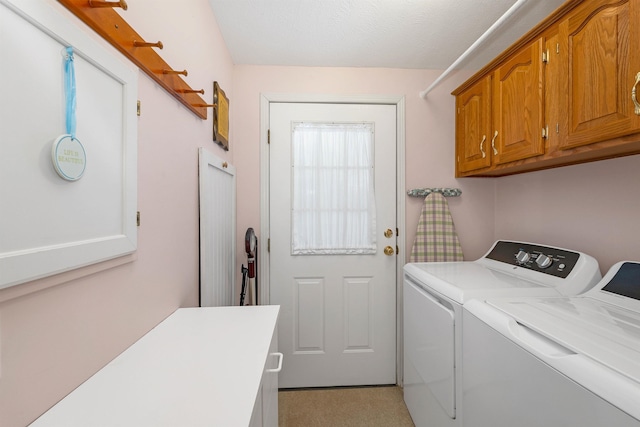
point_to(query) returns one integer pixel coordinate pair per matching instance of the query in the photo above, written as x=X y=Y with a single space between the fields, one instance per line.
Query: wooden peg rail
x=113 y=28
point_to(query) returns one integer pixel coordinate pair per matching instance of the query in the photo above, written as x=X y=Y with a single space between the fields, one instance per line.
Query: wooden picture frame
x=220 y=117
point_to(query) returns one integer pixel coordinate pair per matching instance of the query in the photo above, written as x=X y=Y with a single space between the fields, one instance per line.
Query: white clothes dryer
x=434 y=294
x=556 y=361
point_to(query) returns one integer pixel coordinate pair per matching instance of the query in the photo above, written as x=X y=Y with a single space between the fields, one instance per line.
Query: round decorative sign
x=69 y=158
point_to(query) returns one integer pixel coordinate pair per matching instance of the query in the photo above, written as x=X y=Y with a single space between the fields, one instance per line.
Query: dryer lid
x=502 y=272
x=603 y=323
x=606 y=333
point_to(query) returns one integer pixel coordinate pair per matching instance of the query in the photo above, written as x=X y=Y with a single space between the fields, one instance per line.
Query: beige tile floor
x=343 y=407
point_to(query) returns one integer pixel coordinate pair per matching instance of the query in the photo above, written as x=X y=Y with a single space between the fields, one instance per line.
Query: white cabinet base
x=199 y=367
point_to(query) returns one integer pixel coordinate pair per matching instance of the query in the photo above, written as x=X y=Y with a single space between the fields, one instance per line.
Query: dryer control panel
x=544 y=259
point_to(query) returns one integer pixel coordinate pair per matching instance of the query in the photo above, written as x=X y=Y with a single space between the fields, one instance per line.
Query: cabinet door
x=554 y=92
x=270 y=384
x=518 y=106
x=601 y=42
x=473 y=127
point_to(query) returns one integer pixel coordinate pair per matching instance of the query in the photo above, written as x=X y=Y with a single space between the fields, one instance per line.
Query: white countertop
x=199 y=367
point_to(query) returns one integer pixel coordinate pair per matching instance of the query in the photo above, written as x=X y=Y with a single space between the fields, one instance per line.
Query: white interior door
x=338 y=316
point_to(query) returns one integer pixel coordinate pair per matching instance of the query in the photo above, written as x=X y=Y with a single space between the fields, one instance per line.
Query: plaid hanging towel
x=436 y=237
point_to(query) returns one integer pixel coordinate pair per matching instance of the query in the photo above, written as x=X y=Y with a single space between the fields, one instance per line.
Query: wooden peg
x=190 y=91
x=157 y=44
x=225 y=165
x=99 y=3
x=183 y=72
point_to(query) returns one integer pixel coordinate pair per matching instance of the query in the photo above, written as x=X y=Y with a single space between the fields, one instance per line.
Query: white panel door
x=338 y=317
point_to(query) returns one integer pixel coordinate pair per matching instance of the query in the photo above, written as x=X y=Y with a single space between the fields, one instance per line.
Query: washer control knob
x=543 y=261
x=522 y=257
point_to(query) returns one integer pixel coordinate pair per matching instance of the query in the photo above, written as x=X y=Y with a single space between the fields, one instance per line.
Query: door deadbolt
x=388 y=233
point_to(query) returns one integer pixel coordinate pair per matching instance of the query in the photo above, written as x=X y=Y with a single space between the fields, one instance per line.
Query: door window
x=333 y=199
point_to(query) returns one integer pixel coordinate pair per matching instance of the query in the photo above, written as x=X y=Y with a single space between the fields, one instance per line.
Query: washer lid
x=462 y=281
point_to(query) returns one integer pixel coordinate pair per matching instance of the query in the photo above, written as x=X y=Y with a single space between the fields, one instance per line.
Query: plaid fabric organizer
x=436 y=238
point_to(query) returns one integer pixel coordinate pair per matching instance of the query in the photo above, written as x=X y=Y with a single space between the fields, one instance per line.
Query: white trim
x=263 y=260
x=401 y=213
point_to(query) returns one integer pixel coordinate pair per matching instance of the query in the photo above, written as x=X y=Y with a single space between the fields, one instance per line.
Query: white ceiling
x=422 y=34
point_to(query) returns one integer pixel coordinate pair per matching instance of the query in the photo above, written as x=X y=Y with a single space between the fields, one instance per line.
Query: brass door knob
x=389 y=250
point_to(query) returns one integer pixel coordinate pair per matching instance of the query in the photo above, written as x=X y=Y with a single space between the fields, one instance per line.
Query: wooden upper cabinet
x=518 y=106
x=600 y=47
x=562 y=94
x=473 y=127
x=500 y=117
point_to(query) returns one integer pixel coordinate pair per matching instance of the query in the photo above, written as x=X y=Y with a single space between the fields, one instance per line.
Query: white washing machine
x=434 y=294
x=556 y=361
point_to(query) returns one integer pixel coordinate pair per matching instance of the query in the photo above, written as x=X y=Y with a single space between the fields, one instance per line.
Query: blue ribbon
x=70 y=93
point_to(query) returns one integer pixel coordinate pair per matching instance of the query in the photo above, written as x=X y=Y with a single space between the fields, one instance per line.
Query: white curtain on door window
x=333 y=200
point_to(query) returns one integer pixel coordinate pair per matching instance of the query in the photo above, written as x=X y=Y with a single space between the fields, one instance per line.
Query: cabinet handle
x=484 y=138
x=279 y=368
x=493 y=143
x=633 y=95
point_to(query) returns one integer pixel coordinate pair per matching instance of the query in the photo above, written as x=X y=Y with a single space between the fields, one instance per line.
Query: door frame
x=264 y=256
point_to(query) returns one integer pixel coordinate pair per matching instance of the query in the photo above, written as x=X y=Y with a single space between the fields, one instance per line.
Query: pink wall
x=429 y=140
x=56 y=332
x=591 y=207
